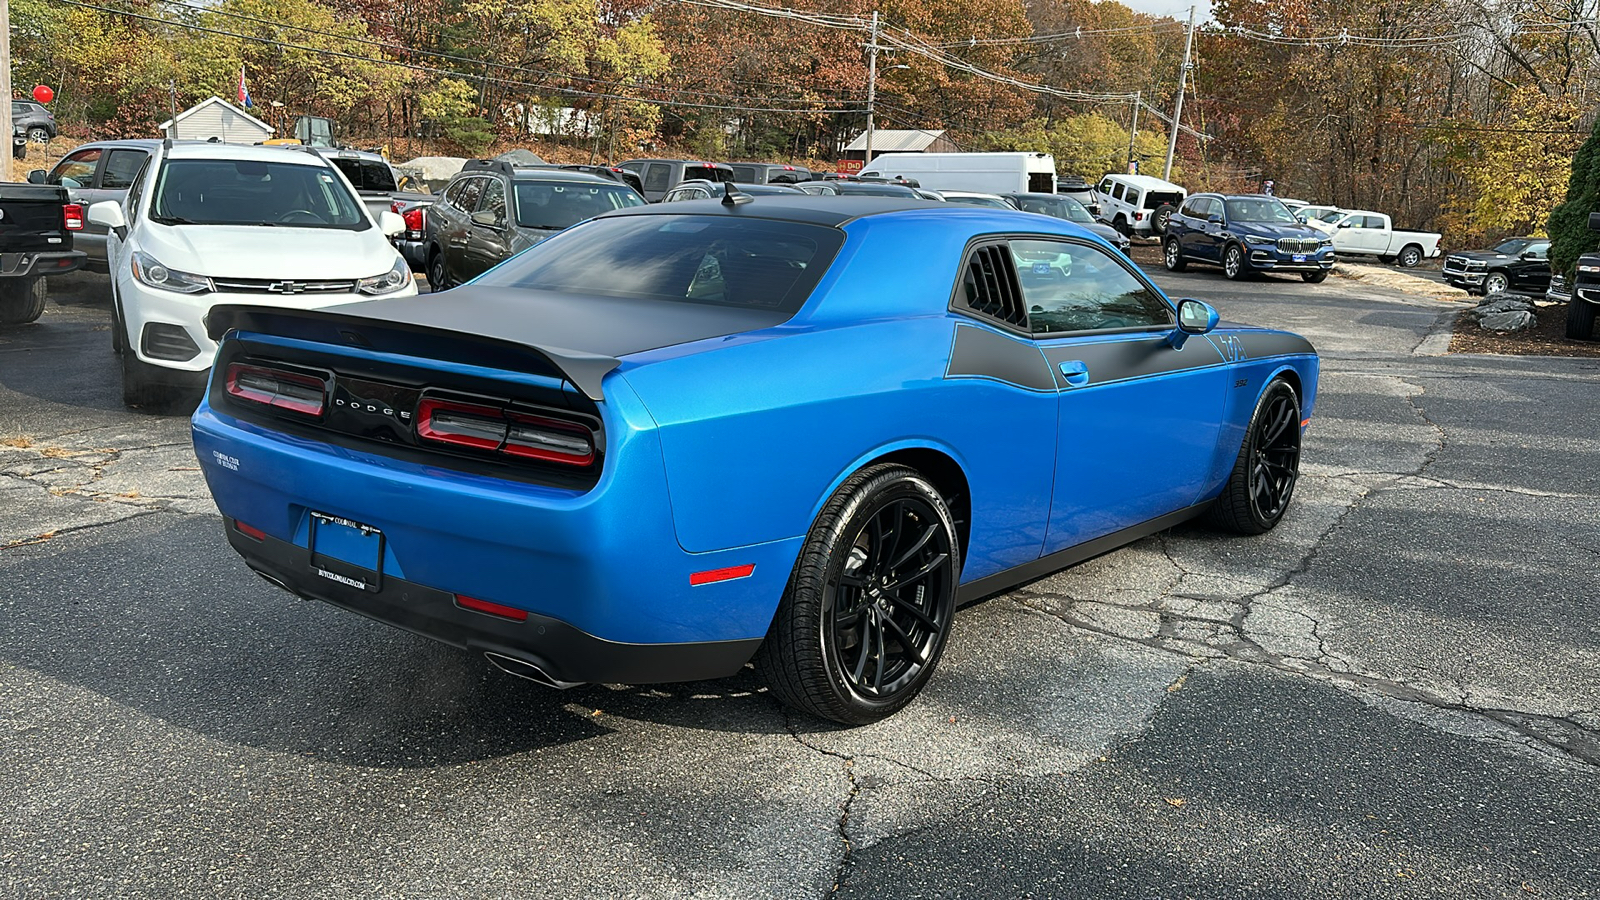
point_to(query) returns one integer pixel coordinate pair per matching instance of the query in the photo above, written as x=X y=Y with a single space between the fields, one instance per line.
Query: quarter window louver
x=990 y=285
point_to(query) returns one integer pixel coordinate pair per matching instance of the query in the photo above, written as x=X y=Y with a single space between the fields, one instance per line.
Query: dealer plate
x=346 y=552
x=1299 y=257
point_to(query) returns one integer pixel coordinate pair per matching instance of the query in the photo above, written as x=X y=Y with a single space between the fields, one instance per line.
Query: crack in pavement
x=48 y=536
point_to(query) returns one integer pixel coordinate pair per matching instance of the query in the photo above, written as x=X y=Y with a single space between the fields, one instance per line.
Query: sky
x=1177 y=9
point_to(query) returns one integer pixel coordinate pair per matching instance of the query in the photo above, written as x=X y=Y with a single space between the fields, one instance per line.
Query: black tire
x=1233 y=265
x=1160 y=218
x=39 y=134
x=806 y=657
x=1496 y=283
x=19 y=151
x=438 y=277
x=22 y=300
x=1121 y=225
x=1410 y=256
x=119 y=326
x=1268 y=466
x=1580 y=319
x=1315 y=277
x=1172 y=256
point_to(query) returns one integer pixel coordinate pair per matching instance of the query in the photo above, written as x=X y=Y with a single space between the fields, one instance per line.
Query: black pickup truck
x=36 y=226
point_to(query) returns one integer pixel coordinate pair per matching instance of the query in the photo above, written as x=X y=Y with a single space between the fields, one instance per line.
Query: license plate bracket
x=346 y=552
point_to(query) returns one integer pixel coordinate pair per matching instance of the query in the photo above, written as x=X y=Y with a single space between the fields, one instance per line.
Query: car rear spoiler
x=584 y=371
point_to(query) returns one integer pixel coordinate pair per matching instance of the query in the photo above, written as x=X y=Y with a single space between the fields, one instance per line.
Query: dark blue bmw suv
x=1245 y=233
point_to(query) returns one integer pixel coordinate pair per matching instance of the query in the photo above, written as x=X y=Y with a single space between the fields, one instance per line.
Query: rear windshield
x=557 y=205
x=707 y=173
x=876 y=190
x=746 y=174
x=251 y=192
x=1153 y=199
x=366 y=174
x=1059 y=206
x=716 y=260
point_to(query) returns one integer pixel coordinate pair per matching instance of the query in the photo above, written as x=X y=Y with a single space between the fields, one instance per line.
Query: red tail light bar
x=504 y=431
x=72 y=213
x=413 y=218
x=279 y=389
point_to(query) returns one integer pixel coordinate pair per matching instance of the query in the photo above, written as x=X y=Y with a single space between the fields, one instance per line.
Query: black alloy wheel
x=1410 y=256
x=869 y=605
x=1233 y=262
x=1174 y=256
x=1268 y=466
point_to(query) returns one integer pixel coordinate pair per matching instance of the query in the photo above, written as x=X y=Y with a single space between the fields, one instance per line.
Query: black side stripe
x=981 y=353
x=1120 y=360
x=1262 y=344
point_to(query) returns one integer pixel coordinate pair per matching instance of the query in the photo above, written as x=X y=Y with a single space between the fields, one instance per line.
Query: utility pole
x=1177 y=108
x=872 y=83
x=5 y=87
x=1133 y=132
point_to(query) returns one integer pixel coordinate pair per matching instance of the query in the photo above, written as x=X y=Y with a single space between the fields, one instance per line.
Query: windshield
x=557 y=205
x=717 y=260
x=1259 y=209
x=876 y=190
x=1058 y=206
x=367 y=174
x=252 y=192
x=1513 y=246
x=992 y=202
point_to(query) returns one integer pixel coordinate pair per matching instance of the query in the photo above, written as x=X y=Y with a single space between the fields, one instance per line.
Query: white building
x=216 y=118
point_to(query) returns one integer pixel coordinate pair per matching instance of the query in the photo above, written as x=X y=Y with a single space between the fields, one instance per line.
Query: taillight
x=504 y=431
x=394 y=206
x=1138 y=217
x=73 y=214
x=292 y=391
x=413 y=219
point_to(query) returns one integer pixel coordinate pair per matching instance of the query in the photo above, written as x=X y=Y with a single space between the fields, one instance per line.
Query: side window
x=471 y=191
x=1105 y=186
x=1374 y=222
x=1075 y=287
x=130 y=206
x=76 y=170
x=1116 y=192
x=1131 y=196
x=121 y=166
x=989 y=286
x=452 y=194
x=658 y=177
x=494 y=198
x=1195 y=208
x=1540 y=250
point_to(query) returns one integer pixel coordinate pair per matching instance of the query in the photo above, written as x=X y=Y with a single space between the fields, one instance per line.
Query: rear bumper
x=414 y=250
x=565 y=653
x=35 y=263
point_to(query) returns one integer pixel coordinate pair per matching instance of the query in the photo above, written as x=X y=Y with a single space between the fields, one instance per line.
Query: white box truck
x=991 y=173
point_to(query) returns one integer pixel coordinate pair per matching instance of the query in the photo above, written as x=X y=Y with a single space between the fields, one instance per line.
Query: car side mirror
x=1194 y=318
x=109 y=213
x=482 y=217
x=1344 y=224
x=390 y=223
x=36 y=176
x=1214 y=219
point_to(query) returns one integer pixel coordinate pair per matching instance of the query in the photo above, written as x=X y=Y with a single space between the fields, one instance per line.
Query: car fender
x=883 y=451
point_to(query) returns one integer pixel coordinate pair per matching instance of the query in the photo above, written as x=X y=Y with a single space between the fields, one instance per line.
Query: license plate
x=346 y=552
x=1299 y=257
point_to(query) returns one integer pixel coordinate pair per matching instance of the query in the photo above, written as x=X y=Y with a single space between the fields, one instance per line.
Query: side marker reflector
x=1304 y=422
x=250 y=531
x=493 y=609
x=711 y=576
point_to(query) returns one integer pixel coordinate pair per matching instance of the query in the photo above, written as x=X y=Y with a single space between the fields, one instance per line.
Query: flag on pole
x=244 y=94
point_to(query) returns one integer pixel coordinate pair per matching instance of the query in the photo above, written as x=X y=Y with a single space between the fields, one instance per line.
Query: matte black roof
x=810 y=209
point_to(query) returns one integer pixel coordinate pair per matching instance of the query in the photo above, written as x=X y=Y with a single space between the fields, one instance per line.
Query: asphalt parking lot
x=1396 y=693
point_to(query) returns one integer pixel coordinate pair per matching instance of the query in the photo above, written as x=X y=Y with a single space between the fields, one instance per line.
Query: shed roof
x=888 y=140
x=215 y=101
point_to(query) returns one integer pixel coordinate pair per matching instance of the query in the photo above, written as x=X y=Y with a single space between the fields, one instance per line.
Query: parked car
x=1326 y=214
x=19 y=142
x=819 y=188
x=413 y=242
x=976 y=198
x=1362 y=232
x=1515 y=264
x=189 y=235
x=875 y=189
x=987 y=172
x=1064 y=206
x=1245 y=234
x=657 y=176
x=374 y=180
x=615 y=173
x=36 y=241
x=95 y=172
x=769 y=173
x=1583 y=303
x=1138 y=204
x=680 y=436
x=1075 y=187
x=701 y=190
x=494 y=210
x=35 y=118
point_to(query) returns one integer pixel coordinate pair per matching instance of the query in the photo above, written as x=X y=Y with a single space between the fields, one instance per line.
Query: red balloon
x=43 y=94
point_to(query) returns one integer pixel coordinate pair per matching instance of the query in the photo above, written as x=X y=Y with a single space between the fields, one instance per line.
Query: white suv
x=1138 y=204
x=207 y=223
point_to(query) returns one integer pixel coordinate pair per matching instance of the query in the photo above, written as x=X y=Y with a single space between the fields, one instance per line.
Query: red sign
x=43 y=94
x=848 y=166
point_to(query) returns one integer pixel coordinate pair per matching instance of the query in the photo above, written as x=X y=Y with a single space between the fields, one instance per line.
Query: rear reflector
x=504 y=431
x=711 y=576
x=250 y=531
x=292 y=391
x=493 y=609
x=73 y=213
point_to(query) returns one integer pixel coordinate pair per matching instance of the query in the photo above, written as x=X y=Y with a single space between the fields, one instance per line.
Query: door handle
x=1076 y=372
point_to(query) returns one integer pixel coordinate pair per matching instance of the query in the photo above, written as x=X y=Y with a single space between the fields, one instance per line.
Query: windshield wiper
x=170 y=220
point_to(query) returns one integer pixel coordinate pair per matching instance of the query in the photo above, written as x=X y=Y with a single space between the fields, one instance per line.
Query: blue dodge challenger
x=799 y=430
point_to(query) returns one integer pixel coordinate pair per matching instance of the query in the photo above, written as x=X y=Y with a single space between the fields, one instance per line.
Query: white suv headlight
x=149 y=271
x=393 y=280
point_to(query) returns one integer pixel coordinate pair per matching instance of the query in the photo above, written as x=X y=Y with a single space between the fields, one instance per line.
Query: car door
x=1531 y=271
x=118 y=167
x=458 y=226
x=1208 y=234
x=487 y=243
x=657 y=180
x=1139 y=420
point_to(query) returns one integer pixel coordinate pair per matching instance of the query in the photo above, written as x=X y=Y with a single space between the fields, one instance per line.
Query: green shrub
x=1569 y=232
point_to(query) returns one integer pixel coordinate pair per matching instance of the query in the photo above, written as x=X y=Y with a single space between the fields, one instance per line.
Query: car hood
x=1113 y=236
x=255 y=251
x=1481 y=255
x=1273 y=232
